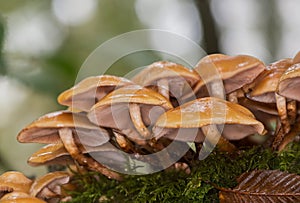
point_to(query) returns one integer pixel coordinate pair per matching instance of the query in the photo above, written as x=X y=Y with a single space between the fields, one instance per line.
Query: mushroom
x=14 y=181
x=288 y=94
x=289 y=83
x=71 y=129
x=45 y=129
x=266 y=84
x=265 y=90
x=236 y=72
x=202 y=118
x=169 y=79
x=130 y=110
x=90 y=90
x=51 y=154
x=19 y=197
x=50 y=185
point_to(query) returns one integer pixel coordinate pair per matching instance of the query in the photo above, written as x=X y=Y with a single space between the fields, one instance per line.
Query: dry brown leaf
x=260 y=186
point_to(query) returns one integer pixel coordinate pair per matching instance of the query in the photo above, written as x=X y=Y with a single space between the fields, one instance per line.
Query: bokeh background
x=44 y=43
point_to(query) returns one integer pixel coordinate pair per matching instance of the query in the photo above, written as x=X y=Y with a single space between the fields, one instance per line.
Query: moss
x=217 y=170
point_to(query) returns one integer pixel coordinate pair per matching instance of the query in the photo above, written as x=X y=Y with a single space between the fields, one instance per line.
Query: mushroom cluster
x=168 y=103
x=16 y=187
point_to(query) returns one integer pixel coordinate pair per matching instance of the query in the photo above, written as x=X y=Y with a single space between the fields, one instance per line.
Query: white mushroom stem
x=67 y=138
x=136 y=117
x=163 y=87
x=213 y=135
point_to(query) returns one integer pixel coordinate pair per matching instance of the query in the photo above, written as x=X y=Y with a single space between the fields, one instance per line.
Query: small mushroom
x=90 y=90
x=71 y=129
x=51 y=154
x=235 y=71
x=50 y=185
x=288 y=95
x=289 y=83
x=14 y=181
x=19 y=197
x=266 y=84
x=169 y=79
x=130 y=110
x=200 y=118
x=45 y=130
x=265 y=90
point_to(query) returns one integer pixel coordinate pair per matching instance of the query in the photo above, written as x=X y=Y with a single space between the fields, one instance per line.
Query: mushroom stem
x=282 y=112
x=292 y=111
x=125 y=144
x=163 y=87
x=290 y=136
x=282 y=137
x=232 y=97
x=213 y=135
x=136 y=117
x=67 y=138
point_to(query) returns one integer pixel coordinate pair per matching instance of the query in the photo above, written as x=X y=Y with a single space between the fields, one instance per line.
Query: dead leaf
x=262 y=186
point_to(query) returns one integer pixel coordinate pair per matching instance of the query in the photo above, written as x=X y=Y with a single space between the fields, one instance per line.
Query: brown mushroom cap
x=235 y=71
x=49 y=185
x=112 y=110
x=289 y=83
x=90 y=90
x=45 y=129
x=239 y=121
x=51 y=154
x=14 y=181
x=266 y=85
x=20 y=197
x=180 y=78
x=56 y=153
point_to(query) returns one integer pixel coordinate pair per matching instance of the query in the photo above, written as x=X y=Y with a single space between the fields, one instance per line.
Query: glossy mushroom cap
x=266 y=85
x=235 y=71
x=45 y=129
x=289 y=83
x=180 y=79
x=49 y=185
x=14 y=181
x=20 y=197
x=90 y=90
x=112 y=110
x=238 y=121
x=51 y=154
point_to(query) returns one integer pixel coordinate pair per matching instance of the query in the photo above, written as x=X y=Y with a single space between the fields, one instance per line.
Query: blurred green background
x=44 y=43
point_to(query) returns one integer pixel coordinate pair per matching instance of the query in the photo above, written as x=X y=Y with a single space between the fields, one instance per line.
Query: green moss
x=218 y=170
